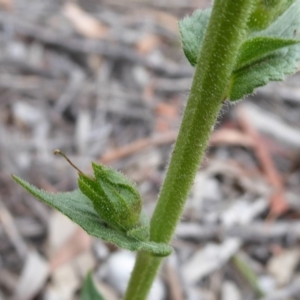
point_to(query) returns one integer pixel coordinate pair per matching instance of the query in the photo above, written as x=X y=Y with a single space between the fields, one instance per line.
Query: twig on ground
x=278 y=203
x=78 y=243
x=86 y=46
x=12 y=232
x=172 y=278
x=139 y=145
x=258 y=232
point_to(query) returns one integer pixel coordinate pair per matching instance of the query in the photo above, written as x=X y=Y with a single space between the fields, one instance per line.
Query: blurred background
x=107 y=81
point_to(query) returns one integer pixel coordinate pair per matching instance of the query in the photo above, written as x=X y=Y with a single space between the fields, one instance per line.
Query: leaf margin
x=101 y=230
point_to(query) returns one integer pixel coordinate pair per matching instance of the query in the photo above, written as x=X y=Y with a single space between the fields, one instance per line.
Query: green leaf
x=89 y=290
x=267 y=55
x=266 y=12
x=253 y=50
x=192 y=29
x=277 y=63
x=76 y=206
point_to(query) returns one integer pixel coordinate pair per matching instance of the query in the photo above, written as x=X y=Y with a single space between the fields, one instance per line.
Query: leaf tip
x=15 y=178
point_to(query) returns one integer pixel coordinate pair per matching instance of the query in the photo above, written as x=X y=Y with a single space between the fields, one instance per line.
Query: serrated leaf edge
x=157 y=249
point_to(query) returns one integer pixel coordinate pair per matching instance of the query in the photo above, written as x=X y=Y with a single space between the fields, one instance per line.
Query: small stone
x=230 y=291
x=267 y=284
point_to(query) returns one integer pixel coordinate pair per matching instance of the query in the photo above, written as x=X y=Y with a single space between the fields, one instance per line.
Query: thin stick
x=57 y=151
x=278 y=202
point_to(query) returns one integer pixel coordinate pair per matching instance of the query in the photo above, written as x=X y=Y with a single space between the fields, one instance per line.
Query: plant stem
x=225 y=33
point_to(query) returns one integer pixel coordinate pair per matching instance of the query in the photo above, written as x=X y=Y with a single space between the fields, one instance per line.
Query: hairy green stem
x=226 y=31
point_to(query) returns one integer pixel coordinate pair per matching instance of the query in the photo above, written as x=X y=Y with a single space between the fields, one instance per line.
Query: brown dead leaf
x=227 y=136
x=149 y=92
x=167 y=21
x=77 y=244
x=7 y=4
x=139 y=145
x=147 y=43
x=162 y=126
x=163 y=19
x=166 y=116
x=84 y=23
x=278 y=202
x=166 y=110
